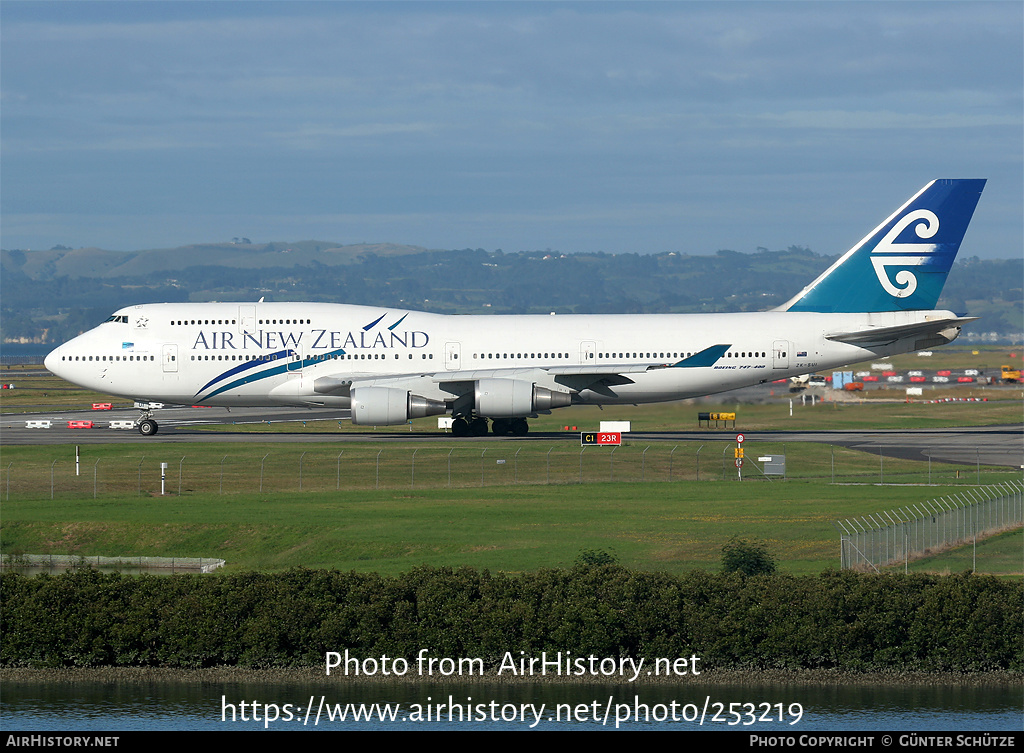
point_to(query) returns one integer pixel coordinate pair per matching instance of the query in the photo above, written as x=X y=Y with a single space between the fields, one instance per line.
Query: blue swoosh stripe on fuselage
x=274 y=371
x=259 y=361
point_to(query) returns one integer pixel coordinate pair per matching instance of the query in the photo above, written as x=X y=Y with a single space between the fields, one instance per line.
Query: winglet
x=707 y=357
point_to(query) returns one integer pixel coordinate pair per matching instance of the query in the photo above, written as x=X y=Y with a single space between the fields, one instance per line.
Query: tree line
x=835 y=620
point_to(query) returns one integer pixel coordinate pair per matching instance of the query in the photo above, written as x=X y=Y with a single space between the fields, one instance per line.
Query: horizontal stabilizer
x=883 y=335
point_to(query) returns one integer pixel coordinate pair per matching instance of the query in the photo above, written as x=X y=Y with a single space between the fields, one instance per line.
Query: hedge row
x=842 y=620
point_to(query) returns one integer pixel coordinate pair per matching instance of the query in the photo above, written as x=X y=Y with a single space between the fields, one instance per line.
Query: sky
x=580 y=127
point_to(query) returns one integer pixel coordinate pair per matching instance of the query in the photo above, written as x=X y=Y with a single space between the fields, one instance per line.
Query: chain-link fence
x=101 y=472
x=898 y=536
x=122 y=564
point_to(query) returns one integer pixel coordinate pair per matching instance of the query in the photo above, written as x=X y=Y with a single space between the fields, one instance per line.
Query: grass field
x=496 y=515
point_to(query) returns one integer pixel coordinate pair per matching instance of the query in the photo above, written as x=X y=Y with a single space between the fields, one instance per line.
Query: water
x=176 y=706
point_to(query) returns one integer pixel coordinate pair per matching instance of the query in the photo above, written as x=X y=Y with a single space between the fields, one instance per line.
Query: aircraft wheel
x=148 y=427
x=520 y=427
x=460 y=427
x=501 y=426
x=479 y=427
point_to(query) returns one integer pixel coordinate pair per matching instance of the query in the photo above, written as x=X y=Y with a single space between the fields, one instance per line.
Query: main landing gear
x=517 y=427
x=463 y=426
x=469 y=427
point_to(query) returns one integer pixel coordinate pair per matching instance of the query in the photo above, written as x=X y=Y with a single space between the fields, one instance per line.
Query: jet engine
x=383 y=406
x=509 y=398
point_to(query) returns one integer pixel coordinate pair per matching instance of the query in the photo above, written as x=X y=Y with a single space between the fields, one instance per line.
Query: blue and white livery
x=494 y=372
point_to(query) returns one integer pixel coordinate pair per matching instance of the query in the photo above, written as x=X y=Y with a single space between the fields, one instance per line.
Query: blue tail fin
x=892 y=269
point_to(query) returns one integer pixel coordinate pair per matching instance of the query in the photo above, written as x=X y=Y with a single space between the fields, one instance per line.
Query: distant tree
x=596 y=557
x=747 y=556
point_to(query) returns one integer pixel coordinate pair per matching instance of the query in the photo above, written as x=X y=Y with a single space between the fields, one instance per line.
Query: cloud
x=469 y=112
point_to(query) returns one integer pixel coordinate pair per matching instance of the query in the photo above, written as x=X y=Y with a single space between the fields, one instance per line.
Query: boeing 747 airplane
x=391 y=365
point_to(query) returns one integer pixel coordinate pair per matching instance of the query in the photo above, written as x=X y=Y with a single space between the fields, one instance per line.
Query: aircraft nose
x=52 y=360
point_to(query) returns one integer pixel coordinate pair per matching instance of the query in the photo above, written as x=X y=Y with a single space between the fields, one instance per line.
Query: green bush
x=750 y=557
x=596 y=557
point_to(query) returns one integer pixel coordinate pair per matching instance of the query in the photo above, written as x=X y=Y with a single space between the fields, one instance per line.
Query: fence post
x=643 y=464
x=261 y=471
x=222 y=475
x=338 y=485
x=450 y=467
x=51 y=480
x=300 y=469
x=95 y=473
x=698 y=461
x=482 y=467
x=515 y=467
x=412 y=481
x=546 y=457
x=670 y=462
x=140 y=474
x=376 y=483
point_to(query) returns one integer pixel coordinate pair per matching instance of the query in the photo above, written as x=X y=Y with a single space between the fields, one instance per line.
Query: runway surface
x=991 y=445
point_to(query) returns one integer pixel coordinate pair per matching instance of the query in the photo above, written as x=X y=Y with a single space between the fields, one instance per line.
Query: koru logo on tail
x=890 y=254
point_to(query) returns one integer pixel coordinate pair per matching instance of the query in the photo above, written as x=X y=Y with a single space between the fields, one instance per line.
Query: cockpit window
x=116 y=318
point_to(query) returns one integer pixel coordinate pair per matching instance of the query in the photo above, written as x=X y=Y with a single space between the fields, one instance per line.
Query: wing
x=577 y=378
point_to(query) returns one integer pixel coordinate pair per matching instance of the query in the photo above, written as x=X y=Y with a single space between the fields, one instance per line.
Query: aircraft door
x=588 y=352
x=247 y=319
x=780 y=354
x=169 y=357
x=453 y=356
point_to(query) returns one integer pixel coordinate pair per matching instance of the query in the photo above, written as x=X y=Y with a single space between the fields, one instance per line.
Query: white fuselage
x=310 y=354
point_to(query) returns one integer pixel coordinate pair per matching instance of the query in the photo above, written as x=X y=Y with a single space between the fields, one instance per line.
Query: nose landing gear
x=146 y=425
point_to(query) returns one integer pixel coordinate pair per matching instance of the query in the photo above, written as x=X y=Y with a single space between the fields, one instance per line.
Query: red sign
x=739 y=439
x=601 y=438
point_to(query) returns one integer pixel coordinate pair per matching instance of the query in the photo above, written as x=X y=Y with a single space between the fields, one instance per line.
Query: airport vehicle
x=1009 y=375
x=391 y=365
x=799 y=382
